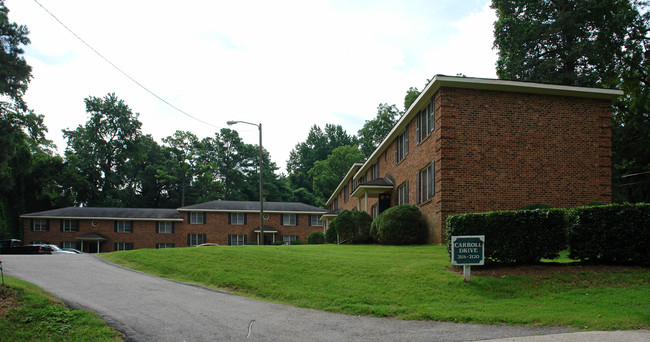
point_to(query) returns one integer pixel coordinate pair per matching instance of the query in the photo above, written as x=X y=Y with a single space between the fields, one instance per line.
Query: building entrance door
x=384 y=202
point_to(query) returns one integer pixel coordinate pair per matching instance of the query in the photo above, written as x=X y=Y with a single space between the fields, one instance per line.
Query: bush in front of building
x=614 y=234
x=400 y=225
x=316 y=238
x=330 y=234
x=514 y=237
x=353 y=226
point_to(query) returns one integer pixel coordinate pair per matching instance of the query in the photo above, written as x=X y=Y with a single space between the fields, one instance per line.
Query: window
x=336 y=203
x=70 y=244
x=346 y=193
x=403 y=193
x=237 y=218
x=195 y=239
x=237 y=240
x=197 y=217
x=402 y=146
x=374 y=171
x=314 y=220
x=69 y=225
x=374 y=211
x=122 y=246
x=165 y=227
x=124 y=226
x=426 y=183
x=425 y=121
x=289 y=238
x=164 y=245
x=41 y=225
x=289 y=219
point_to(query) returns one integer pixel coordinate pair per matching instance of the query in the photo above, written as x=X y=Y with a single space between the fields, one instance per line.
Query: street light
x=259 y=126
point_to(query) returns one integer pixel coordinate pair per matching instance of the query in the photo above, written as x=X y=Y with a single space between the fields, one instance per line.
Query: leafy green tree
x=183 y=149
x=411 y=95
x=318 y=145
x=100 y=150
x=15 y=73
x=587 y=43
x=374 y=131
x=327 y=174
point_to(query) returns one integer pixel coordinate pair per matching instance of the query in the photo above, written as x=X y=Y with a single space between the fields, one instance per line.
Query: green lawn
x=409 y=282
x=30 y=314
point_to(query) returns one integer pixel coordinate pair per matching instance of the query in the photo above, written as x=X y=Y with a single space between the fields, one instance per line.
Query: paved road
x=148 y=308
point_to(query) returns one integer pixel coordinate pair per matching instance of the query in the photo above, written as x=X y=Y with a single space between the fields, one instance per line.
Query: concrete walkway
x=148 y=308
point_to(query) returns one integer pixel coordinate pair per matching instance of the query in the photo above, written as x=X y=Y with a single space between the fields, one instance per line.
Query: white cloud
x=286 y=64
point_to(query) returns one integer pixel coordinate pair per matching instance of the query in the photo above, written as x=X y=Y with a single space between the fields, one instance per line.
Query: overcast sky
x=285 y=64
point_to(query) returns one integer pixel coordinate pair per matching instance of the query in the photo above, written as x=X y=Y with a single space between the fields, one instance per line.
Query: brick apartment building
x=474 y=145
x=95 y=230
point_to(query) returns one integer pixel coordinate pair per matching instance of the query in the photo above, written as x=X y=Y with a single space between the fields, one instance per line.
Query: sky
x=288 y=65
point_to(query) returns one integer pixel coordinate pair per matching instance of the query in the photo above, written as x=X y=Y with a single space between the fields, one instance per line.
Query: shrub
x=296 y=242
x=400 y=225
x=330 y=233
x=316 y=238
x=353 y=226
x=617 y=233
x=520 y=236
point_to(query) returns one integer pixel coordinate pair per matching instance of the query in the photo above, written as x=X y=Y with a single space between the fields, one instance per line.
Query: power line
x=121 y=71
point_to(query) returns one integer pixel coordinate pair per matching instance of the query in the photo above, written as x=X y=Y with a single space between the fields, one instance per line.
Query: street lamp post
x=259 y=126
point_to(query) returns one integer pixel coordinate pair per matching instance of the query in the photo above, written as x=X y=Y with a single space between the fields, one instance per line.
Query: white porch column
x=365 y=198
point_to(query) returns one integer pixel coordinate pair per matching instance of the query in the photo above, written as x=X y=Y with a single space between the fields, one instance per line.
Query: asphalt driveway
x=148 y=308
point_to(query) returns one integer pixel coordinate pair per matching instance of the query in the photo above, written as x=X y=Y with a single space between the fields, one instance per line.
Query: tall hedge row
x=519 y=237
x=618 y=233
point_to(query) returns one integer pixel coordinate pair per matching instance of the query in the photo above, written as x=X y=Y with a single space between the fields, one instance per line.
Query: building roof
x=439 y=81
x=253 y=206
x=345 y=180
x=75 y=213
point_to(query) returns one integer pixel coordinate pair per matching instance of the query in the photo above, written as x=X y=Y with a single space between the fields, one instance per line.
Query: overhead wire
x=122 y=71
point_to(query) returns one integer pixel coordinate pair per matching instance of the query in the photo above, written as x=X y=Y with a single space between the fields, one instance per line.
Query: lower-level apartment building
x=95 y=230
x=473 y=145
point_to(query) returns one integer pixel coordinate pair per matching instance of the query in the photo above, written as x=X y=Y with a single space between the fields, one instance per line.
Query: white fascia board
x=344 y=181
x=101 y=218
x=253 y=211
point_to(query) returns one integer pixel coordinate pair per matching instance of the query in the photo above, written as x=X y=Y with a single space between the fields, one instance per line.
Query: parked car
x=75 y=251
x=53 y=249
x=13 y=246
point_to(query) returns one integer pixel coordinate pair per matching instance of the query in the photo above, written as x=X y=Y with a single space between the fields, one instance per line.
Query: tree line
x=109 y=161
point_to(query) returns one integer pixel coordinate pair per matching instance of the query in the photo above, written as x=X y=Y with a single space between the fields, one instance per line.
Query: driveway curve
x=149 y=308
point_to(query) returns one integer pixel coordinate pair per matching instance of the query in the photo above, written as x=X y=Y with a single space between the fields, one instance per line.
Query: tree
x=327 y=174
x=587 y=43
x=100 y=150
x=374 y=131
x=318 y=145
x=15 y=73
x=183 y=149
x=411 y=95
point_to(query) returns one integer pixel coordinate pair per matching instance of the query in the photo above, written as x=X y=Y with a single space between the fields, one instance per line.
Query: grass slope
x=29 y=314
x=410 y=282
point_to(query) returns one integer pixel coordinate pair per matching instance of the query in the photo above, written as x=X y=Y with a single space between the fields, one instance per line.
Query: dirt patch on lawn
x=541 y=270
x=7 y=301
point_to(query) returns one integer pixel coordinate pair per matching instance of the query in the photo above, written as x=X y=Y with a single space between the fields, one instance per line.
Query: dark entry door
x=268 y=239
x=384 y=202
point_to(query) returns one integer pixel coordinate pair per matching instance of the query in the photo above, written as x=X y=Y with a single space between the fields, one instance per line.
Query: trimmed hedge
x=617 y=233
x=400 y=225
x=353 y=226
x=513 y=237
x=316 y=238
x=330 y=234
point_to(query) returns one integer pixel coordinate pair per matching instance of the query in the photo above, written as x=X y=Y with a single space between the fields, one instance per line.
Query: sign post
x=467 y=251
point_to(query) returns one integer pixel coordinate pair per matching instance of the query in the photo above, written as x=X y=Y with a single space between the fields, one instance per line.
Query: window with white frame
x=374 y=171
x=164 y=245
x=41 y=225
x=122 y=246
x=346 y=193
x=238 y=218
x=289 y=219
x=374 y=211
x=195 y=239
x=289 y=238
x=403 y=193
x=402 y=146
x=197 y=217
x=70 y=244
x=426 y=183
x=237 y=239
x=165 y=227
x=70 y=225
x=425 y=121
x=124 y=226
x=314 y=220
